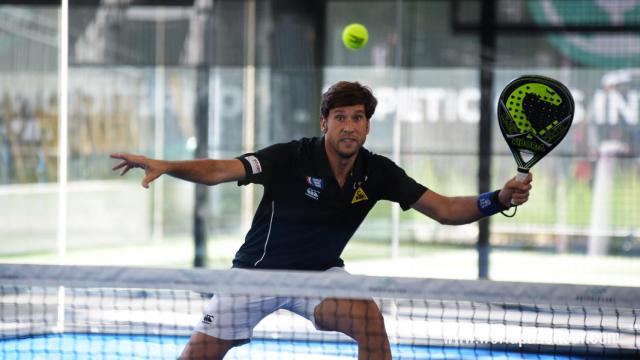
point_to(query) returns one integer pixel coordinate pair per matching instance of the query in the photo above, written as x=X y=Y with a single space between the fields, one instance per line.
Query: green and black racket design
x=535 y=113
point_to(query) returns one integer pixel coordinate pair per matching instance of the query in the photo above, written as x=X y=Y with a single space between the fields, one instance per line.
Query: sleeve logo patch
x=359 y=195
x=256 y=167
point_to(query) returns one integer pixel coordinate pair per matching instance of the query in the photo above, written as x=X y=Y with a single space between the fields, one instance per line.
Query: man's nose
x=348 y=126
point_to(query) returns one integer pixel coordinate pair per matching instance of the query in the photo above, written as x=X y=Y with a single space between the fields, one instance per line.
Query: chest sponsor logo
x=359 y=195
x=315 y=182
x=256 y=167
x=312 y=193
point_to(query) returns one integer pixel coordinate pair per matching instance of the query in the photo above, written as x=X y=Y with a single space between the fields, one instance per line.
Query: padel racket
x=535 y=113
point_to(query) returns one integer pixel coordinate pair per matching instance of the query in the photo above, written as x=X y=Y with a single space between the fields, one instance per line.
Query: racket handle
x=522 y=174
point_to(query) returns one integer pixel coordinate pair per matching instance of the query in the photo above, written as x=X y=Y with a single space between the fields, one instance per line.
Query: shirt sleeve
x=398 y=186
x=262 y=166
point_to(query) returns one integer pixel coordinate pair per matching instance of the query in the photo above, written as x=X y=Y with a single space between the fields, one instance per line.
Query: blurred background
x=218 y=78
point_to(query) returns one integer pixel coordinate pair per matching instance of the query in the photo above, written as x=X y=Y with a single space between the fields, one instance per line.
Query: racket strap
x=515 y=210
x=489 y=203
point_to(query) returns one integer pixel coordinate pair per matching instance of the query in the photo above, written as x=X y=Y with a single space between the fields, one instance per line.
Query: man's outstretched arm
x=464 y=209
x=202 y=171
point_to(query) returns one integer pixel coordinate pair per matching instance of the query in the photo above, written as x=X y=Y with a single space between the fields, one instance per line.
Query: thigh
x=202 y=346
x=359 y=319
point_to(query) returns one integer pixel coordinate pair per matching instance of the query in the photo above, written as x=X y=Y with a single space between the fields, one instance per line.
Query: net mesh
x=63 y=312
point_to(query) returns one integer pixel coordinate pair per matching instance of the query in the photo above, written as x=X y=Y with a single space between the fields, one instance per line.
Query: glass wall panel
x=148 y=79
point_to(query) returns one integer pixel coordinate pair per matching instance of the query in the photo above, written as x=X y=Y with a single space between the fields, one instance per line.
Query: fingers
x=516 y=185
x=519 y=198
x=519 y=190
x=126 y=165
x=148 y=179
x=129 y=158
x=121 y=156
x=522 y=188
x=128 y=162
x=121 y=164
x=127 y=168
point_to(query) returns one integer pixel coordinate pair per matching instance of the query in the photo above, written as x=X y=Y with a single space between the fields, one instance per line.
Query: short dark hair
x=345 y=93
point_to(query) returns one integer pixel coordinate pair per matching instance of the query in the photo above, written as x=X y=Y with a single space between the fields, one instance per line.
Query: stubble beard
x=346 y=154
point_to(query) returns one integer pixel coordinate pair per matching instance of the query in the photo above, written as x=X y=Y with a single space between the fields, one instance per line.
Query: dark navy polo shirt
x=305 y=219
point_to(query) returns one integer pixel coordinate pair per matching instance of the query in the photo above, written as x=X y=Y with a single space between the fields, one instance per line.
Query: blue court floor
x=107 y=347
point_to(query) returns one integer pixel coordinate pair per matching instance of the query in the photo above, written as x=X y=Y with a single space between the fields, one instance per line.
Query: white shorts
x=233 y=317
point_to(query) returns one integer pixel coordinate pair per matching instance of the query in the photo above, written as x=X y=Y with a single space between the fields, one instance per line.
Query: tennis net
x=78 y=312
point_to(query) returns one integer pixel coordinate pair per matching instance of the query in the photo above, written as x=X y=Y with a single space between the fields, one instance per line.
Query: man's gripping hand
x=515 y=192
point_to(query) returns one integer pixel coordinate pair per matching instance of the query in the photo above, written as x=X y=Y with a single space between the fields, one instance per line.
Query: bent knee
x=353 y=317
x=366 y=310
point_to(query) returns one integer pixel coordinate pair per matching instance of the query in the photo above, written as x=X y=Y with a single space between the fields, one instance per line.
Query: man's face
x=345 y=129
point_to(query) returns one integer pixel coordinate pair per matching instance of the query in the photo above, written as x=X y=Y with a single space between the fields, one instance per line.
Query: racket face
x=535 y=114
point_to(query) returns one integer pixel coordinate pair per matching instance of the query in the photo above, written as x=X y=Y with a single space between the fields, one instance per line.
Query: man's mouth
x=348 y=140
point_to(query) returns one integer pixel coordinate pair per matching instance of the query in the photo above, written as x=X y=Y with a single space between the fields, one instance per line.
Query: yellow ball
x=355 y=36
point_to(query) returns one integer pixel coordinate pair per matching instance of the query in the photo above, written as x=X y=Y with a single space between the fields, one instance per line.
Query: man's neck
x=339 y=166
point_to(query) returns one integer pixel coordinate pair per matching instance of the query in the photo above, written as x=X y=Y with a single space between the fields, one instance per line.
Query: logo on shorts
x=207 y=319
x=312 y=193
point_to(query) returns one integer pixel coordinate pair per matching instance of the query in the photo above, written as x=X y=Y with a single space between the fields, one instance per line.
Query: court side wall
x=98 y=212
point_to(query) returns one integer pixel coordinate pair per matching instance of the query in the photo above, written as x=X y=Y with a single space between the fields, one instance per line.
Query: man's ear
x=323 y=125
